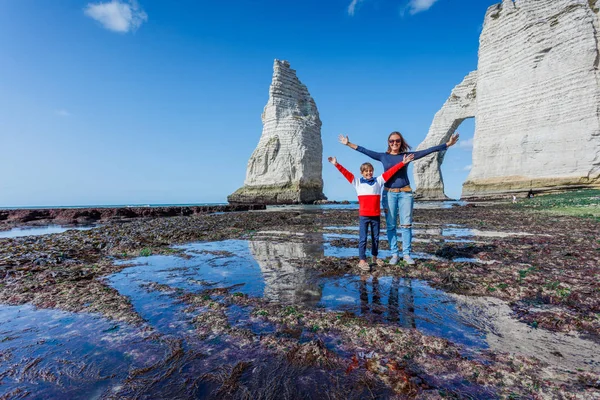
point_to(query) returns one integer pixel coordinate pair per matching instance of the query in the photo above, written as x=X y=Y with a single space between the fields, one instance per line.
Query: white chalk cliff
x=286 y=166
x=535 y=98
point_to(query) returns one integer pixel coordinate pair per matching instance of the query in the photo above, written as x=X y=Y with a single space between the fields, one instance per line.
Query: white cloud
x=416 y=6
x=467 y=167
x=63 y=113
x=117 y=16
x=466 y=144
x=413 y=6
x=352 y=6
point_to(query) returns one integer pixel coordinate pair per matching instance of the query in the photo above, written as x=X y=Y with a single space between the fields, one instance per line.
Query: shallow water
x=449 y=231
x=47 y=351
x=354 y=206
x=462 y=232
x=41 y=230
x=56 y=354
x=264 y=269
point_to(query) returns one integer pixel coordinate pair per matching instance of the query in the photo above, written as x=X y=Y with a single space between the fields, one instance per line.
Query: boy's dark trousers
x=363 y=226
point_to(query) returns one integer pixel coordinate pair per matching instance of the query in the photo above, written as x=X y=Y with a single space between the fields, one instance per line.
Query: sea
x=350 y=205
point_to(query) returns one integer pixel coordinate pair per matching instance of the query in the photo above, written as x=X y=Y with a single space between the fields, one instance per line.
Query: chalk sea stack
x=535 y=98
x=286 y=166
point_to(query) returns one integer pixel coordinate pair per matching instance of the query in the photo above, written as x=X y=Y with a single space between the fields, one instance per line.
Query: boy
x=368 y=189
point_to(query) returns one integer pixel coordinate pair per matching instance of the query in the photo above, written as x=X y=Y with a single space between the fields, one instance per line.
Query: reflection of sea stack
x=286 y=166
x=565 y=351
x=534 y=98
x=285 y=282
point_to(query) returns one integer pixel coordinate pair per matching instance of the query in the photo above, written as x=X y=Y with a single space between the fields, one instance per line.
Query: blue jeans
x=398 y=204
x=363 y=227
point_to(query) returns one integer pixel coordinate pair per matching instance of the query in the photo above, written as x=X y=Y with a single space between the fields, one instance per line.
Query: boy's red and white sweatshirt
x=369 y=196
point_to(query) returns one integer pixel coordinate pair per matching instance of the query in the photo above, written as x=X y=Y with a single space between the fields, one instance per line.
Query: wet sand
x=504 y=302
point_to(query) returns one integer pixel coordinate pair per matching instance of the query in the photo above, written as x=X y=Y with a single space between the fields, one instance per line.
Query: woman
x=397 y=198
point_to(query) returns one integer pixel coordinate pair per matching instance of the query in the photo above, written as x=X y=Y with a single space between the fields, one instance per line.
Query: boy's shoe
x=394 y=259
x=380 y=262
x=364 y=266
x=408 y=260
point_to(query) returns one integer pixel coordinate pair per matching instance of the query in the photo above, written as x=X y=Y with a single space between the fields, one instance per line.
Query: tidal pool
x=448 y=231
x=273 y=270
x=56 y=354
x=264 y=269
x=53 y=354
x=41 y=230
x=354 y=206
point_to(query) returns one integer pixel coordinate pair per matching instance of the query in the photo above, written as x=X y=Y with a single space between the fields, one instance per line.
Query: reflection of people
x=394 y=313
x=400 y=303
x=397 y=199
x=364 y=295
x=376 y=307
x=408 y=299
x=408 y=304
x=368 y=189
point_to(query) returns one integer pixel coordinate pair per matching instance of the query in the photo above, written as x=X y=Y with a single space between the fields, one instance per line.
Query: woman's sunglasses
x=395 y=141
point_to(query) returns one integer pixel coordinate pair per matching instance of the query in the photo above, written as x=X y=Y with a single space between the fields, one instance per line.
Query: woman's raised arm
x=441 y=147
x=346 y=142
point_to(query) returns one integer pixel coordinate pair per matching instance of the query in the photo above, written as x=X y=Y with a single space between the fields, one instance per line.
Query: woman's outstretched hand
x=453 y=140
x=346 y=142
x=408 y=158
x=332 y=160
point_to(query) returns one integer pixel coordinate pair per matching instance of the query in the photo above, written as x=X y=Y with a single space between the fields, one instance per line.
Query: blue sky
x=120 y=102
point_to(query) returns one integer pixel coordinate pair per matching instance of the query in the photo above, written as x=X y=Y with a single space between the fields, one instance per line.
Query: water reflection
x=410 y=303
x=277 y=268
x=41 y=230
x=398 y=303
x=354 y=206
x=58 y=354
x=278 y=271
x=286 y=280
x=210 y=265
x=567 y=351
x=468 y=232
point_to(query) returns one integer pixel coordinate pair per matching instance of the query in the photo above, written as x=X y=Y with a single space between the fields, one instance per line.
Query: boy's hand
x=332 y=160
x=453 y=140
x=343 y=139
x=408 y=158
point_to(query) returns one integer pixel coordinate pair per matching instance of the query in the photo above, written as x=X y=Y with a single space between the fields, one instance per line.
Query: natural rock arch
x=537 y=110
x=460 y=105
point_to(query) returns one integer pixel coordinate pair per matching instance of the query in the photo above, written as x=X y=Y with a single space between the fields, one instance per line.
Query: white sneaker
x=408 y=260
x=394 y=259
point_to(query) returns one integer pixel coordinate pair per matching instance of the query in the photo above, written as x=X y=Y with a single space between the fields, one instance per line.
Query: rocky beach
x=504 y=302
x=263 y=298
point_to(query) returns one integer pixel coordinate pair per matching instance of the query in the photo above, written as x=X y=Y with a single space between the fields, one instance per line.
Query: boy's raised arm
x=347 y=174
x=390 y=172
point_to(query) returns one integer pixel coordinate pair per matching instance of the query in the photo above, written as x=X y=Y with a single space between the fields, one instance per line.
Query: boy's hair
x=366 y=166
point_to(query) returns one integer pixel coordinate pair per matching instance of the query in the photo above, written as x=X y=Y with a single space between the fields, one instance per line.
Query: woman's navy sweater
x=400 y=178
